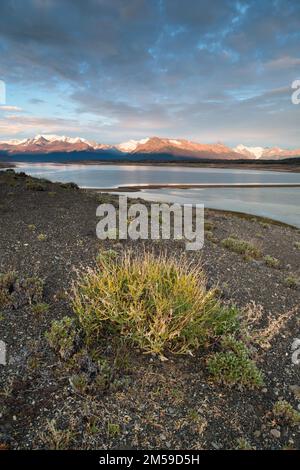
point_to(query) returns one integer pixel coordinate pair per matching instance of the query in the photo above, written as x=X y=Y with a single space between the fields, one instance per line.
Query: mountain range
x=47 y=144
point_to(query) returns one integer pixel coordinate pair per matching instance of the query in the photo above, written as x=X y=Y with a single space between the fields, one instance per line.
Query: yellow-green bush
x=157 y=303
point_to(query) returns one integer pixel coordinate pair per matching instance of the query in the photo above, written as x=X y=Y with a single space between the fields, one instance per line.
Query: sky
x=114 y=70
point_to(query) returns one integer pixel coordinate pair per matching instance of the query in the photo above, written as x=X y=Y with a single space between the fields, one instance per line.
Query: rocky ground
x=48 y=230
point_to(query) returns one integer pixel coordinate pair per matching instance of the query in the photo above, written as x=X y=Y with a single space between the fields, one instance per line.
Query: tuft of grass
x=57 y=439
x=284 y=410
x=42 y=237
x=233 y=366
x=271 y=262
x=297 y=245
x=40 y=308
x=243 y=444
x=31 y=227
x=292 y=281
x=241 y=246
x=157 y=303
x=113 y=430
x=63 y=337
x=79 y=382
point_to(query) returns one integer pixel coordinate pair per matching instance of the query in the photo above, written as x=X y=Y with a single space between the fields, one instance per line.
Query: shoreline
x=288 y=167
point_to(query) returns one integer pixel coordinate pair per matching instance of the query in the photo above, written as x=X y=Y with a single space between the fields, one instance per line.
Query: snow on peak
x=131 y=145
x=175 y=142
x=256 y=151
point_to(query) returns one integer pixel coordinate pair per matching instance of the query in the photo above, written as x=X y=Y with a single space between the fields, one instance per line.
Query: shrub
x=70 y=185
x=297 y=245
x=283 y=410
x=63 y=337
x=158 y=304
x=208 y=226
x=241 y=246
x=42 y=237
x=32 y=185
x=233 y=365
x=16 y=292
x=292 y=281
x=271 y=262
x=40 y=308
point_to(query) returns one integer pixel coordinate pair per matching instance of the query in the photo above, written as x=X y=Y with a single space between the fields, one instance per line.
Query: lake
x=278 y=203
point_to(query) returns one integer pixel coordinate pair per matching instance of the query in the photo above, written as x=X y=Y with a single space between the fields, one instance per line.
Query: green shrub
x=158 y=304
x=40 y=308
x=283 y=410
x=292 y=281
x=271 y=262
x=32 y=185
x=233 y=366
x=63 y=337
x=241 y=246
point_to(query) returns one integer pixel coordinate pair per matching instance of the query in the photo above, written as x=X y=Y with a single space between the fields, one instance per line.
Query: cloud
x=122 y=68
x=10 y=108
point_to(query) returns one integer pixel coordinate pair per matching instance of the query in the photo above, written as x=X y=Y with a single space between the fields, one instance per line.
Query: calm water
x=278 y=203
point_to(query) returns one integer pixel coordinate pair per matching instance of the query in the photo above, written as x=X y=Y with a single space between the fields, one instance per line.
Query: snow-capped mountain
x=155 y=146
x=265 y=153
x=50 y=143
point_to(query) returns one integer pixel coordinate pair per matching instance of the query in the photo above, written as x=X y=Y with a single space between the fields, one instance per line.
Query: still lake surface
x=280 y=203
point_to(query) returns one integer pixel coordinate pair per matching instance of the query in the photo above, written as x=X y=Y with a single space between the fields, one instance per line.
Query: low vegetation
x=63 y=337
x=16 y=292
x=271 y=262
x=158 y=304
x=242 y=247
x=233 y=366
x=292 y=281
x=286 y=413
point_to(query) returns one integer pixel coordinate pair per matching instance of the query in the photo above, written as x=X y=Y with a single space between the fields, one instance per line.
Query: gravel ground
x=147 y=403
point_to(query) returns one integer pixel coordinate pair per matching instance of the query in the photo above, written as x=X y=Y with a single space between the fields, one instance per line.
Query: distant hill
x=51 y=148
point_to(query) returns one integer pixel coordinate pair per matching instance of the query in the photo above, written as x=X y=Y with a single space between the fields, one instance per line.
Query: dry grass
x=157 y=303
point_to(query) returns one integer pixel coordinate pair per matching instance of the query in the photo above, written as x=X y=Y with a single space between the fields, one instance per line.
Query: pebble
x=275 y=433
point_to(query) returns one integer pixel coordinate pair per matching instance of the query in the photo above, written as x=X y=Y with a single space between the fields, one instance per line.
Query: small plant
x=63 y=337
x=156 y=303
x=113 y=430
x=16 y=292
x=56 y=439
x=292 y=281
x=271 y=262
x=32 y=185
x=7 y=281
x=40 y=308
x=243 y=444
x=233 y=366
x=31 y=227
x=79 y=383
x=242 y=247
x=42 y=237
x=208 y=226
x=283 y=410
x=210 y=236
x=297 y=245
